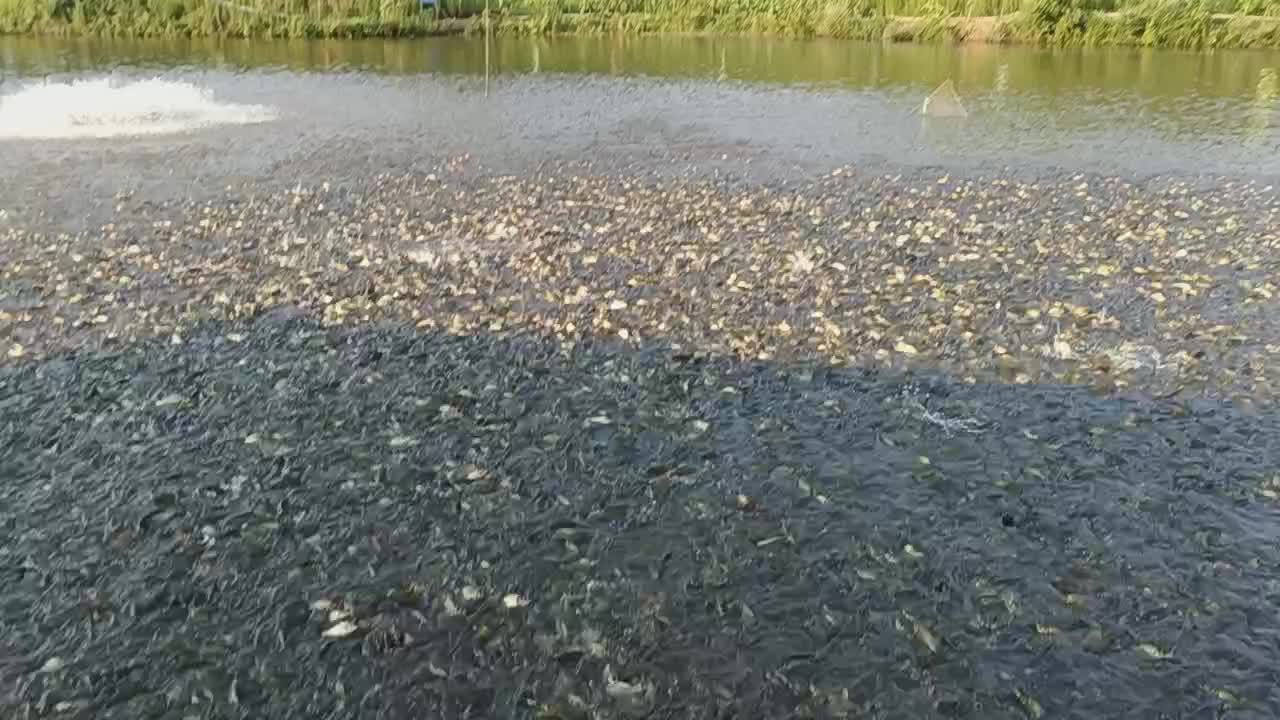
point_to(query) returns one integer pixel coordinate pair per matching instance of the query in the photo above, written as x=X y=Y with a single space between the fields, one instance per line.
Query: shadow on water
x=296 y=522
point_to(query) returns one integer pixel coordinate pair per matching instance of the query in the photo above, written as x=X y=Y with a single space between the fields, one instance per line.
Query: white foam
x=101 y=109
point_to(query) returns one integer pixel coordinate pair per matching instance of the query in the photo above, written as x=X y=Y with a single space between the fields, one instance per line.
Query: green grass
x=236 y=18
x=1185 y=24
x=1165 y=23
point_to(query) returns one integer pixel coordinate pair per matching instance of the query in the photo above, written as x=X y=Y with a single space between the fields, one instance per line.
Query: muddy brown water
x=277 y=520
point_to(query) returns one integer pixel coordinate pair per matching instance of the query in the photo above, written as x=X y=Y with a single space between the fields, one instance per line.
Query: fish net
x=944 y=102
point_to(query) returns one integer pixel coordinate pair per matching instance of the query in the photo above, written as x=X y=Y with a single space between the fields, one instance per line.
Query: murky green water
x=1152 y=74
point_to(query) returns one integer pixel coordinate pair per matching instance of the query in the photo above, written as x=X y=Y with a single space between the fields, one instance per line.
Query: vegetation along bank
x=1188 y=24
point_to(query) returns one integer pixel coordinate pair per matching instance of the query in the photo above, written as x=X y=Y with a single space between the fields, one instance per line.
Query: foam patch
x=101 y=109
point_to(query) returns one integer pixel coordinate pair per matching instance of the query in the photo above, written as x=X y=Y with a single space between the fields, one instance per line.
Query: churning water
x=100 y=108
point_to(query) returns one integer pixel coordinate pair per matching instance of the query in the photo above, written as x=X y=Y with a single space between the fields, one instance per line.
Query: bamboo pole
x=486 y=48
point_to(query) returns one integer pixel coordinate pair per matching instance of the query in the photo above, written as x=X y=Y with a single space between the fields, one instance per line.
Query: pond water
x=1122 y=110
x=271 y=517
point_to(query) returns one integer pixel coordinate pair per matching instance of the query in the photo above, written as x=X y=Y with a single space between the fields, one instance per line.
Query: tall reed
x=1178 y=23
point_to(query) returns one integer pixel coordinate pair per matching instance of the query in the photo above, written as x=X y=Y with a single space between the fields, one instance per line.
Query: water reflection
x=1263 y=103
x=980 y=68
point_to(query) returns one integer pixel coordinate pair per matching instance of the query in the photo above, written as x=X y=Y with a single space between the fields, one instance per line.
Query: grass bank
x=1191 y=24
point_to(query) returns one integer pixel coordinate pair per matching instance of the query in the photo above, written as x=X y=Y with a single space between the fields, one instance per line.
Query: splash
x=102 y=109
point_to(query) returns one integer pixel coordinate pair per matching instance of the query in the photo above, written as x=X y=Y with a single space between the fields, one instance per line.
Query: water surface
x=272 y=517
x=1117 y=110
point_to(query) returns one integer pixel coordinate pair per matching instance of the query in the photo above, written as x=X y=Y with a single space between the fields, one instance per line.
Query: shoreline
x=1068 y=28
